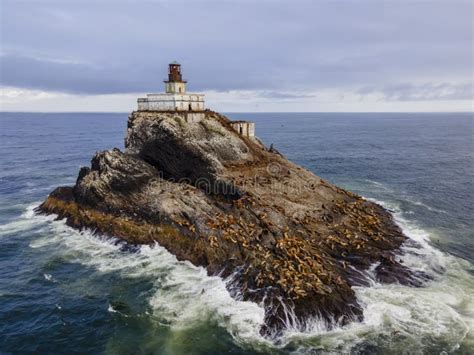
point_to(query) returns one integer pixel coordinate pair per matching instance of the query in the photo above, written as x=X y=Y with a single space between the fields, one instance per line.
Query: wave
x=379 y=185
x=384 y=189
x=396 y=317
x=402 y=318
x=184 y=295
x=424 y=205
x=24 y=222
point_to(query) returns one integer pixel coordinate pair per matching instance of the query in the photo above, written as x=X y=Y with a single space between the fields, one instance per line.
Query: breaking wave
x=407 y=319
x=184 y=294
x=396 y=317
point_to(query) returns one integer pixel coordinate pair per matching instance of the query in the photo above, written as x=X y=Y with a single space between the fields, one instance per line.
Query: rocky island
x=210 y=192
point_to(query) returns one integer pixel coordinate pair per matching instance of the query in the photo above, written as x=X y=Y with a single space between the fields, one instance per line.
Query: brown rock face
x=287 y=238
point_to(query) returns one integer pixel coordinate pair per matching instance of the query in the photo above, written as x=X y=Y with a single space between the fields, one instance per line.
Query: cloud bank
x=278 y=52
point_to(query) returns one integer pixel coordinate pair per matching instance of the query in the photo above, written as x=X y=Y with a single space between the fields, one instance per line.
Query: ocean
x=64 y=291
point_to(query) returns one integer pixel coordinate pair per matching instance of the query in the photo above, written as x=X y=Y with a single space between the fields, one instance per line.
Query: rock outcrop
x=284 y=237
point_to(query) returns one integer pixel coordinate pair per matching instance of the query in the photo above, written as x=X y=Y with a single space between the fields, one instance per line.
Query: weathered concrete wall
x=244 y=128
x=171 y=102
x=175 y=87
x=251 y=129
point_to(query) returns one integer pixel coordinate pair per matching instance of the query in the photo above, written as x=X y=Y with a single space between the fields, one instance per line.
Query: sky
x=270 y=55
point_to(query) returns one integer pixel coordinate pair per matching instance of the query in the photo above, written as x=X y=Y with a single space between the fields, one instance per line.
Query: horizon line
x=229 y=112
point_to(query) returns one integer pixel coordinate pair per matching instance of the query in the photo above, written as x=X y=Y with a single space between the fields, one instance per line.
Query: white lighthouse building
x=175 y=97
x=188 y=105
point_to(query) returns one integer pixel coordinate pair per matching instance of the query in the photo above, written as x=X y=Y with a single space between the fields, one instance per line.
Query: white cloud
x=19 y=99
x=329 y=100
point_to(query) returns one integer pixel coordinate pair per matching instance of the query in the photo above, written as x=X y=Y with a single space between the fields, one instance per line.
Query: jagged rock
x=181 y=150
x=290 y=240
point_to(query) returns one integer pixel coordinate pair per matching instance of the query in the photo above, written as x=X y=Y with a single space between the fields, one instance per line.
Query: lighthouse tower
x=175 y=98
x=190 y=106
x=175 y=83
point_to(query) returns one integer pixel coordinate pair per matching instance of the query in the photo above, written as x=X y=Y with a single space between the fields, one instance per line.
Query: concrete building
x=244 y=128
x=190 y=105
x=175 y=97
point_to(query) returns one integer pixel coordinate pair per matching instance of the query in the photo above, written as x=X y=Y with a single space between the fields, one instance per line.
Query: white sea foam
x=379 y=185
x=384 y=189
x=111 y=309
x=24 y=222
x=185 y=296
x=442 y=309
x=424 y=205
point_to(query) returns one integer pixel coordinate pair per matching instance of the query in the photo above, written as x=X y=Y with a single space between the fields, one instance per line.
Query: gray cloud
x=284 y=95
x=424 y=92
x=118 y=47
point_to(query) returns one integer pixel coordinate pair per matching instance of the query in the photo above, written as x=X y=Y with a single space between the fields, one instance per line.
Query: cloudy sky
x=359 y=55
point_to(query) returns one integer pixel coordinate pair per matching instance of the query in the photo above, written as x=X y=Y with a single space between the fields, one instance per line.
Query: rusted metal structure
x=174 y=73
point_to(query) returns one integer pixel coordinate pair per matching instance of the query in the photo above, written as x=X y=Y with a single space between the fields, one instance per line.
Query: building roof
x=240 y=121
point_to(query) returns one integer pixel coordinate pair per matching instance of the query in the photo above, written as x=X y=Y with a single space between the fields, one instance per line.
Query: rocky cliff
x=283 y=237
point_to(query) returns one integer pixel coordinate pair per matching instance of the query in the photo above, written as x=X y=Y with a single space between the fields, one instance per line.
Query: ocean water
x=64 y=291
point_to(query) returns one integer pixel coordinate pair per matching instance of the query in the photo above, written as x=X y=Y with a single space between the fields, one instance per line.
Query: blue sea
x=64 y=291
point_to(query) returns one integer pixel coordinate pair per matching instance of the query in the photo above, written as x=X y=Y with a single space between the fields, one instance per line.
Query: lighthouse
x=175 y=83
x=175 y=97
x=190 y=106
